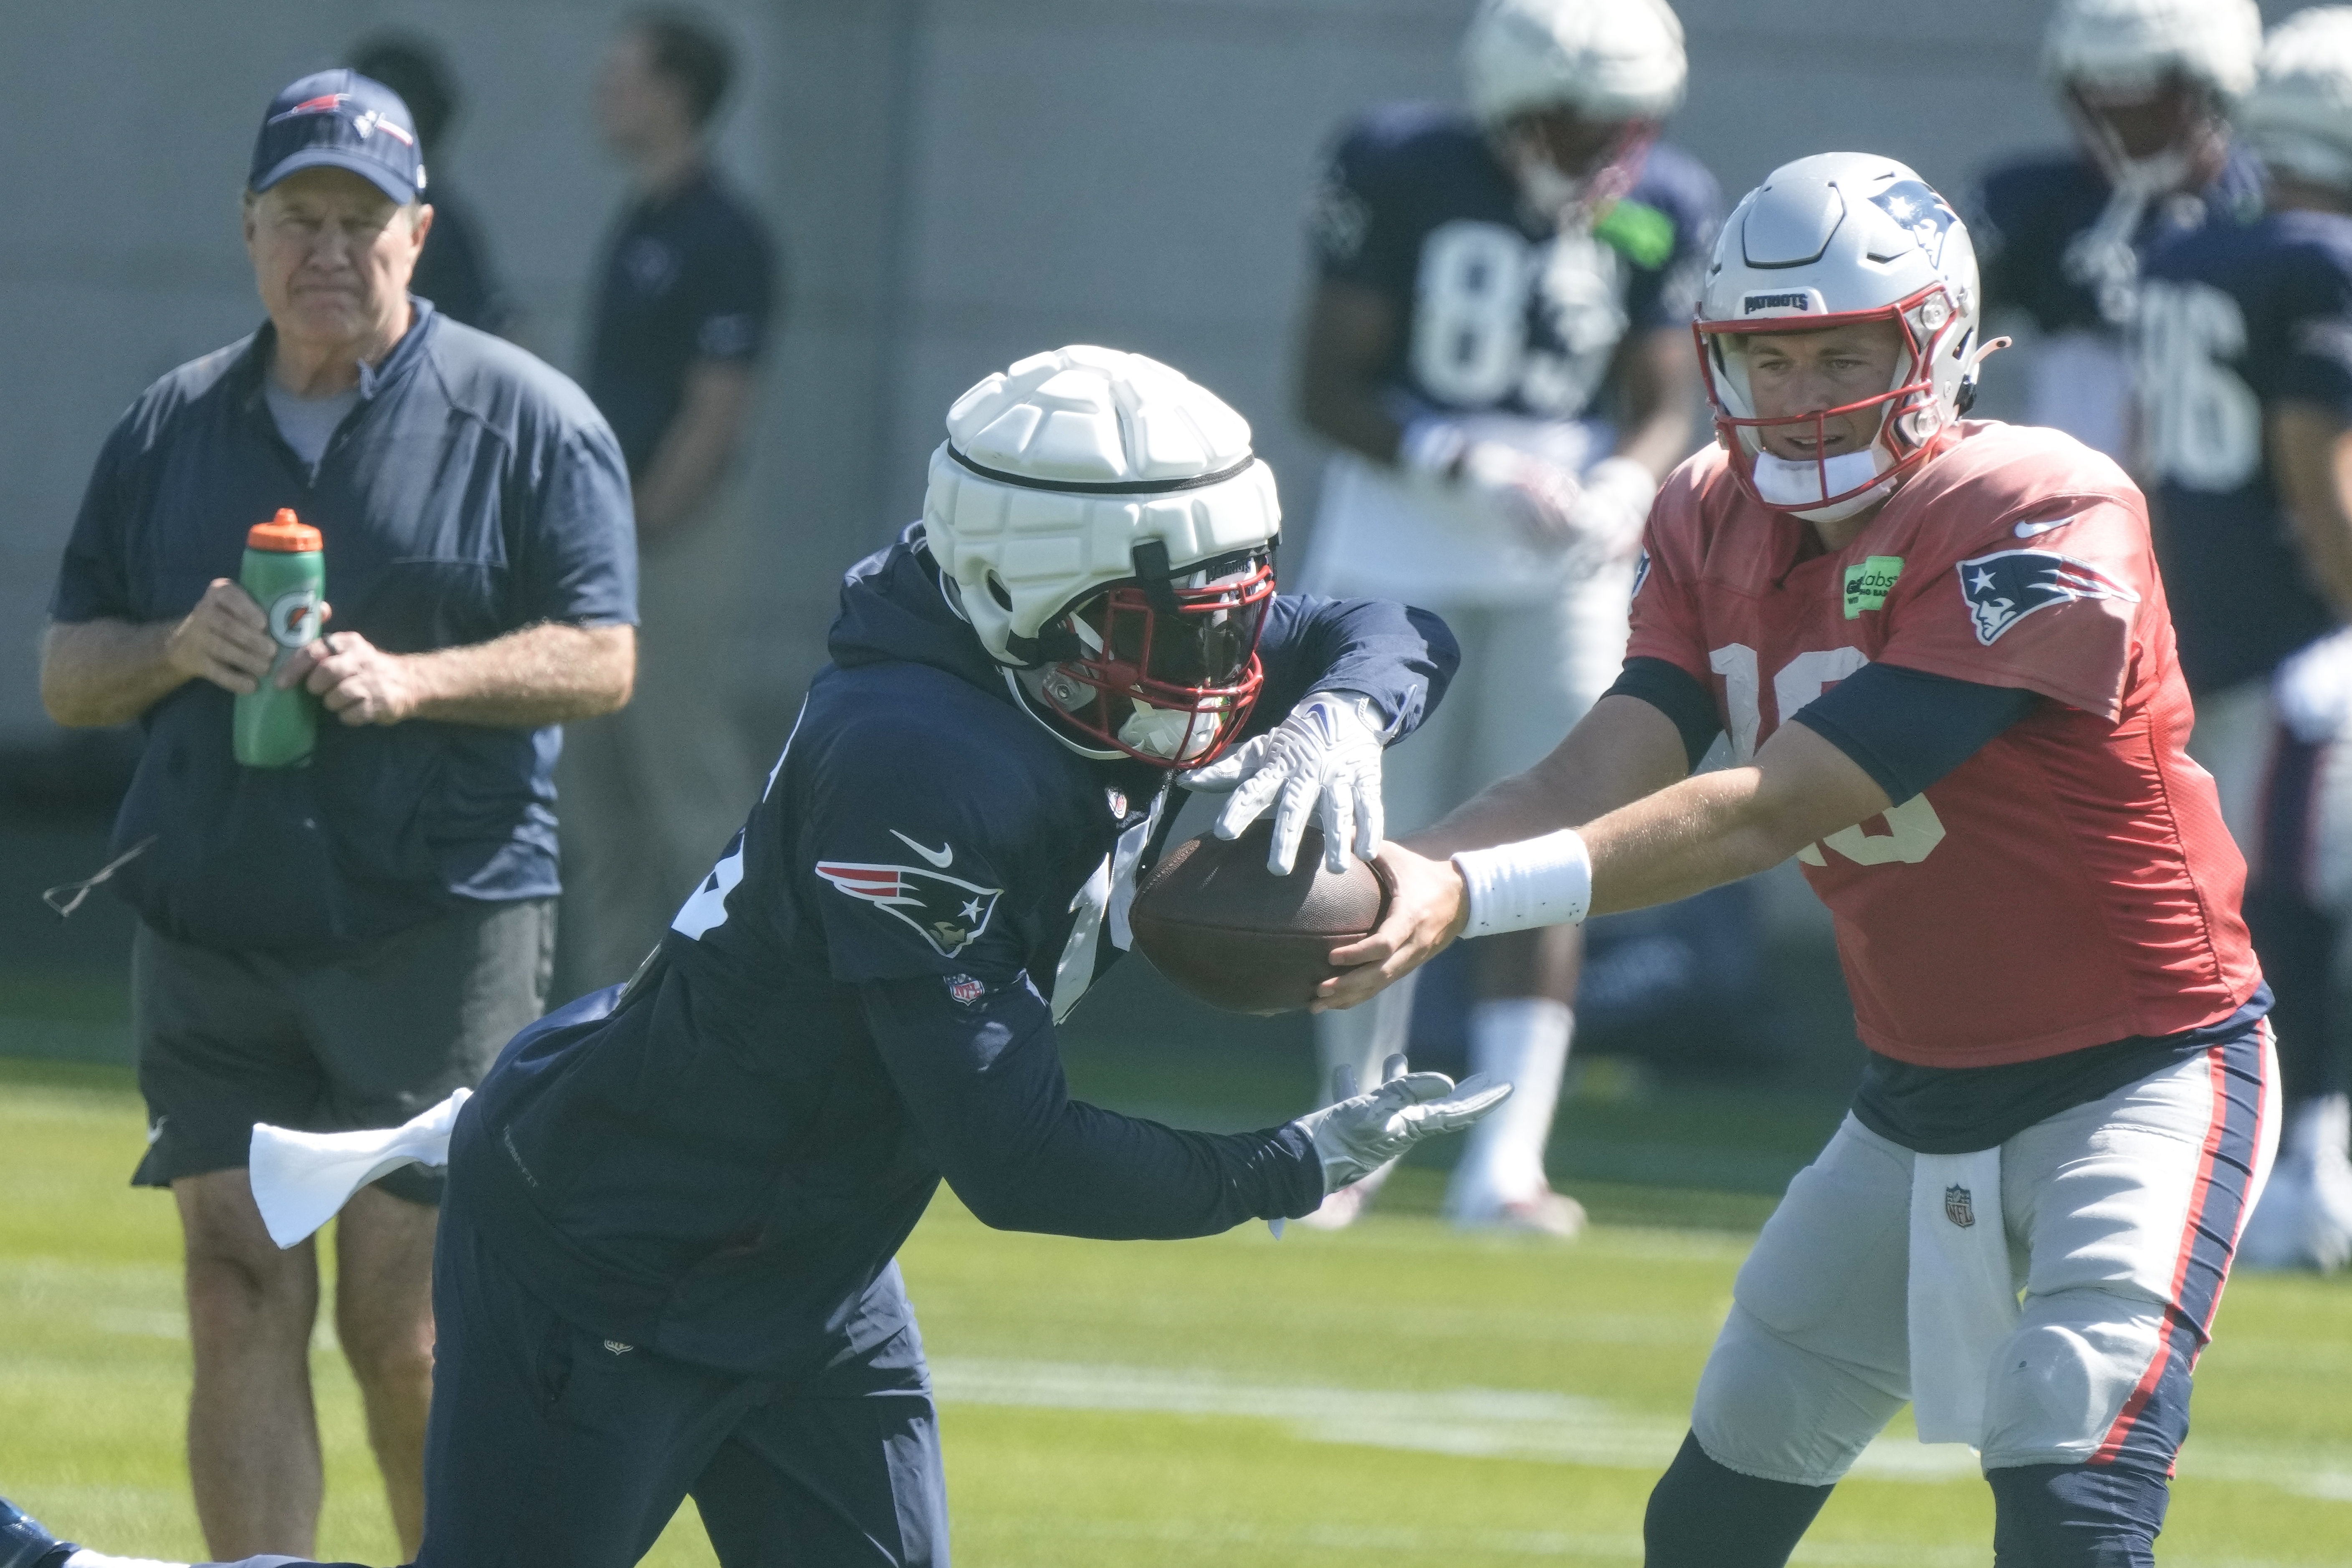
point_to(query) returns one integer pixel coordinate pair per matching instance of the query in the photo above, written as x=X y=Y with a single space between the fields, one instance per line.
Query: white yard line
x=1486 y=1423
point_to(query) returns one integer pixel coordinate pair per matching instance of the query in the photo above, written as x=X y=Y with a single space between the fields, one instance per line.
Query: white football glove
x=1364 y=1132
x=1537 y=495
x=1324 y=755
x=1609 y=514
x=1598 y=516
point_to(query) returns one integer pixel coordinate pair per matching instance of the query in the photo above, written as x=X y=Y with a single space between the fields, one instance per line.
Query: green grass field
x=1395 y=1395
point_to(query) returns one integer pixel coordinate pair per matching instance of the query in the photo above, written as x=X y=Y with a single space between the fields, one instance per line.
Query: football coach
x=341 y=944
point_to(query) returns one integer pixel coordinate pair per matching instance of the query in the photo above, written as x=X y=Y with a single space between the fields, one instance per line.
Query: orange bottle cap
x=284 y=532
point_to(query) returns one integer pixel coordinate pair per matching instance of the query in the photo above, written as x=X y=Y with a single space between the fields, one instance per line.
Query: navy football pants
x=547 y=1447
x=551 y=1449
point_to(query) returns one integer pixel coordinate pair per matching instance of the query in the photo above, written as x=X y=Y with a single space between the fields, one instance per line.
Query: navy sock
x=2077 y=1516
x=1705 y=1516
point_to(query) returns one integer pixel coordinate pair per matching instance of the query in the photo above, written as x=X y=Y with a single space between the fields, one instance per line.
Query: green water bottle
x=286 y=573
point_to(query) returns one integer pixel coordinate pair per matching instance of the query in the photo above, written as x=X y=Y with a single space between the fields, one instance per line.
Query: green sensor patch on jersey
x=1867 y=584
x=1643 y=234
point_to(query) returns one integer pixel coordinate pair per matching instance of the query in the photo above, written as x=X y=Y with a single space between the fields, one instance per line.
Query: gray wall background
x=956 y=183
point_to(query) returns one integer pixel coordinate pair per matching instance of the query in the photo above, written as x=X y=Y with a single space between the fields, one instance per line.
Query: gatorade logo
x=294 y=619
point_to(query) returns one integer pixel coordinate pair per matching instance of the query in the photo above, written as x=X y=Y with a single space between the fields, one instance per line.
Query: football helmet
x=1827 y=240
x=2298 y=117
x=2149 y=86
x=1104 y=528
x=1615 y=63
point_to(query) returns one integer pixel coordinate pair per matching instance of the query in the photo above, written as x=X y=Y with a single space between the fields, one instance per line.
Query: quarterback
x=666 y=1261
x=1496 y=345
x=1941 y=653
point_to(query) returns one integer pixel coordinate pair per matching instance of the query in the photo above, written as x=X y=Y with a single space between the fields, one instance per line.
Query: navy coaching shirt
x=689 y=277
x=472 y=491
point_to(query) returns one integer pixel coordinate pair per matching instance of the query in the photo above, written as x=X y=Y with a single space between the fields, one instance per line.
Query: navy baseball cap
x=340 y=120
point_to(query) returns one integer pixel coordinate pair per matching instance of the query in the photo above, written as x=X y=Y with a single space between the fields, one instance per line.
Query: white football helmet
x=2126 y=45
x=2298 y=117
x=1824 y=241
x=1615 y=62
x=1607 y=60
x=1102 y=524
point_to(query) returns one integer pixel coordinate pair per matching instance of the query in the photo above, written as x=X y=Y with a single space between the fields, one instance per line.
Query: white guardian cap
x=1825 y=241
x=1102 y=524
x=2298 y=119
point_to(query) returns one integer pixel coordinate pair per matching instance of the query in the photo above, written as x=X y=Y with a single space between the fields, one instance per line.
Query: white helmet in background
x=2186 y=63
x=1824 y=241
x=2298 y=119
x=1102 y=524
x=2124 y=45
x=1609 y=62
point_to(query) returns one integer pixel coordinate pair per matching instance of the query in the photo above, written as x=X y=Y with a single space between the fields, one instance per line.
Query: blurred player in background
x=1941 y=652
x=455 y=272
x=2147 y=85
x=2244 y=347
x=668 y=1268
x=684 y=309
x=1497 y=340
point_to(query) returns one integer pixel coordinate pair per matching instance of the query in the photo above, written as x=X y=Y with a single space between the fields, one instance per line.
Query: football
x=1214 y=921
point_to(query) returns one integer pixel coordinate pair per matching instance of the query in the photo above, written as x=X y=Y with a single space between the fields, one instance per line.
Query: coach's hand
x=1362 y=1132
x=1428 y=907
x=358 y=681
x=1324 y=758
x=224 y=639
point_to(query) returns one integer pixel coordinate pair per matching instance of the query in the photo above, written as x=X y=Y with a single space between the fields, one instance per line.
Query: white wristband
x=1431 y=446
x=1536 y=882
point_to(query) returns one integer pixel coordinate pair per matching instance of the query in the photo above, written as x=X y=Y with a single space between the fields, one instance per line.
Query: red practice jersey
x=2072 y=882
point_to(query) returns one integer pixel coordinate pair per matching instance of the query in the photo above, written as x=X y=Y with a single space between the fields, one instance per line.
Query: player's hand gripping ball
x=1217 y=922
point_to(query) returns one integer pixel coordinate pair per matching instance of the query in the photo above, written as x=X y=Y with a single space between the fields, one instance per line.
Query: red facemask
x=1927 y=323
x=1166 y=674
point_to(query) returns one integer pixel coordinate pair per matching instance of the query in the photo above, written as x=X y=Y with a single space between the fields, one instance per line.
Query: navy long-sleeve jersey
x=720 y=1162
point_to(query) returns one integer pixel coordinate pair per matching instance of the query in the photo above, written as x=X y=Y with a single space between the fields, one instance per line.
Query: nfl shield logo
x=1959 y=1208
x=965 y=989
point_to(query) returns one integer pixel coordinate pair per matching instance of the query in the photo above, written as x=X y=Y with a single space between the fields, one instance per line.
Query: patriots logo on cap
x=325 y=103
x=375 y=119
x=950 y=911
x=1919 y=209
x=2004 y=587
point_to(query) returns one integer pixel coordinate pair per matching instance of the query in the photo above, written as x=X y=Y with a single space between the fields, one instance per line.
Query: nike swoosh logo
x=941 y=857
x=2027 y=530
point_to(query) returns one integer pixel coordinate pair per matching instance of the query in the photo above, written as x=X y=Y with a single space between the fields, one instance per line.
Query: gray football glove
x=1364 y=1132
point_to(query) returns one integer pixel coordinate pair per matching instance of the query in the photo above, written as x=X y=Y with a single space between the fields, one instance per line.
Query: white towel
x=1963 y=1301
x=302 y=1180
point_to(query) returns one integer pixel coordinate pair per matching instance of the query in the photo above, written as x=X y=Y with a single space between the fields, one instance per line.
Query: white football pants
x=2121 y=1215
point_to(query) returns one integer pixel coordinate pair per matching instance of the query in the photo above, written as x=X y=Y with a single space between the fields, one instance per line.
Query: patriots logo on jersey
x=2004 y=587
x=1916 y=208
x=950 y=911
x=1641 y=575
